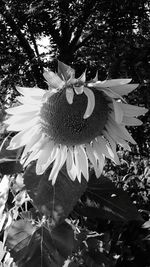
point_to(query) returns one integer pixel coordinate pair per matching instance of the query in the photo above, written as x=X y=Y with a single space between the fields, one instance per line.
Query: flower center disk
x=64 y=122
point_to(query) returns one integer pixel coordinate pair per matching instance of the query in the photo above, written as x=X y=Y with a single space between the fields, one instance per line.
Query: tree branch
x=81 y=22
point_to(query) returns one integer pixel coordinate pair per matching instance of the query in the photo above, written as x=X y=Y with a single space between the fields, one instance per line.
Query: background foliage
x=107 y=220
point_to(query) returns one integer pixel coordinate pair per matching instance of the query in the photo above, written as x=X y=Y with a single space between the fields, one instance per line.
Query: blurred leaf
x=10 y=166
x=63 y=237
x=105 y=200
x=54 y=201
x=18 y=237
x=42 y=251
x=35 y=247
x=96 y=259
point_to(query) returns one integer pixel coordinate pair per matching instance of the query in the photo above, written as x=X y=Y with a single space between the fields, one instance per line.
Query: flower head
x=73 y=122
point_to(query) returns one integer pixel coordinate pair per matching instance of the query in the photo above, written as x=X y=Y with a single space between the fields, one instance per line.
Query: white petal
x=116 y=139
x=65 y=71
x=22 y=125
x=96 y=77
x=112 y=144
x=112 y=82
x=99 y=155
x=131 y=110
x=90 y=154
x=83 y=162
x=90 y=104
x=119 y=131
x=117 y=111
x=54 y=81
x=30 y=91
x=26 y=100
x=110 y=93
x=70 y=165
x=22 y=117
x=59 y=162
x=48 y=94
x=124 y=144
x=79 y=89
x=22 y=109
x=131 y=121
x=34 y=138
x=69 y=95
x=20 y=139
x=124 y=89
x=107 y=151
x=82 y=78
x=33 y=156
x=36 y=149
x=45 y=158
x=77 y=164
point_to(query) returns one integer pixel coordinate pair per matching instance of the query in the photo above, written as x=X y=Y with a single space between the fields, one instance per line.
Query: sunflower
x=74 y=122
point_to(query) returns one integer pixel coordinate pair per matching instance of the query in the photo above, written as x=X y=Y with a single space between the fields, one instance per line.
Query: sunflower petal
x=117 y=111
x=129 y=121
x=69 y=95
x=107 y=151
x=99 y=155
x=124 y=89
x=112 y=82
x=59 y=162
x=90 y=154
x=45 y=158
x=79 y=89
x=20 y=139
x=71 y=168
x=131 y=110
x=90 y=104
x=65 y=72
x=30 y=91
x=23 y=109
x=82 y=78
x=53 y=80
x=77 y=164
x=34 y=138
x=83 y=162
x=22 y=125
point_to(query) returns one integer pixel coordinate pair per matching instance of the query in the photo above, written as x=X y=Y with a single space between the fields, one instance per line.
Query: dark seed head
x=64 y=122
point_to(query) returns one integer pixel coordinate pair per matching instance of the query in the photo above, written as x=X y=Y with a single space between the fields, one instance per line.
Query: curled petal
x=79 y=89
x=90 y=104
x=53 y=80
x=82 y=78
x=96 y=77
x=69 y=95
x=65 y=72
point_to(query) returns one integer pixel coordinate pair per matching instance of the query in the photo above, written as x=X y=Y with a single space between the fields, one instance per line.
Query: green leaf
x=18 y=237
x=42 y=251
x=63 y=237
x=10 y=166
x=105 y=200
x=35 y=247
x=54 y=201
